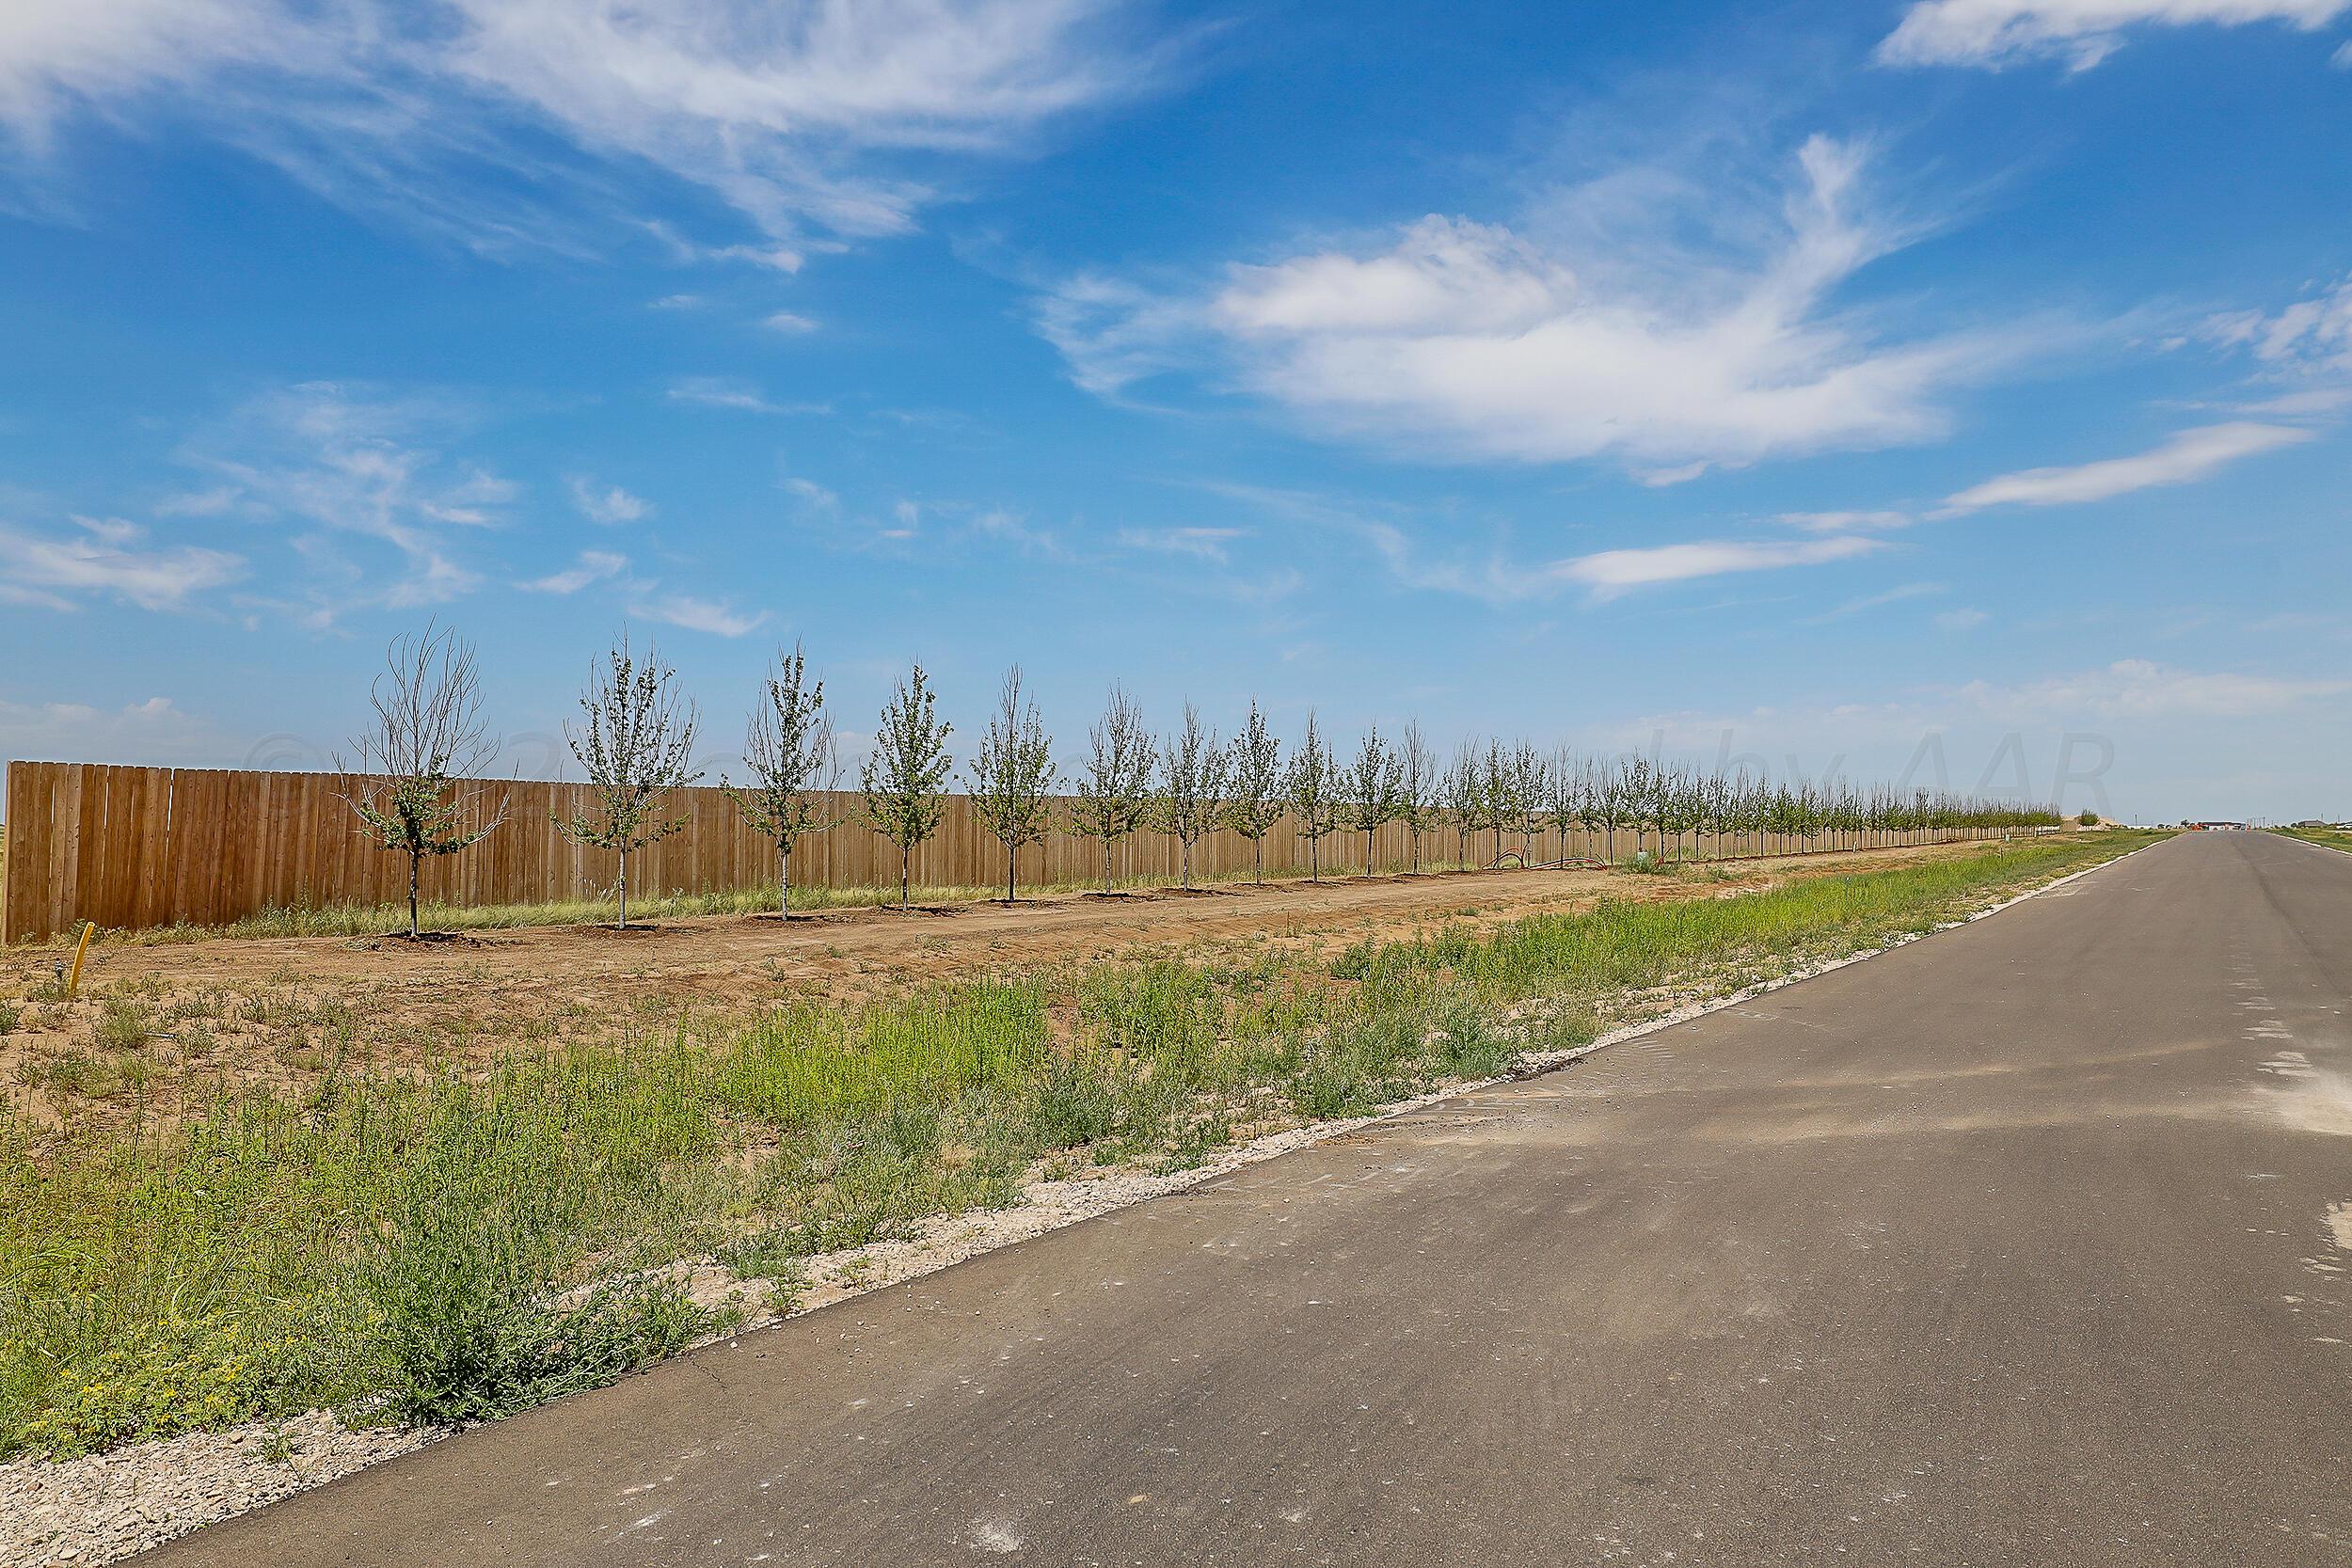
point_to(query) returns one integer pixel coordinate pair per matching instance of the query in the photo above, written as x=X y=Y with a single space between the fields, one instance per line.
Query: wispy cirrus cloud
x=1611 y=572
x=1469 y=340
x=607 y=504
x=342 y=462
x=728 y=391
x=2081 y=33
x=1204 y=543
x=490 y=118
x=2311 y=336
x=2181 y=459
x=713 y=616
x=592 y=566
x=108 y=558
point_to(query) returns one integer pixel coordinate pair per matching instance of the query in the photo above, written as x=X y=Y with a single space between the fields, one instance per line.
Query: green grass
x=2330 y=838
x=457 y=1246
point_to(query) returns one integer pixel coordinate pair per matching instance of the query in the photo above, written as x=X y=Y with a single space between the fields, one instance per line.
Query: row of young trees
x=1499 y=800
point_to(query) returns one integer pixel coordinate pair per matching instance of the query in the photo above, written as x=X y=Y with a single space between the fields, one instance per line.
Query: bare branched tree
x=636 y=748
x=1312 y=785
x=1465 y=789
x=1530 y=786
x=1562 y=783
x=1416 y=786
x=905 y=777
x=1255 y=782
x=413 y=788
x=1194 y=769
x=794 y=767
x=1114 y=793
x=1014 y=778
x=1368 y=791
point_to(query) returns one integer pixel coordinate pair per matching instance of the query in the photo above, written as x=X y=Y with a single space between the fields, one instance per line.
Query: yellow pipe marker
x=73 y=982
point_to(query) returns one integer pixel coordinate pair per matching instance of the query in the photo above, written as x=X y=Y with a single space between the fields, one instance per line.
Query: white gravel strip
x=105 y=1507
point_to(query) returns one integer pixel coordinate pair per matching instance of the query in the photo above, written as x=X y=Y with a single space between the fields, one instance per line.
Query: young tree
x=1563 y=793
x=1312 y=785
x=412 y=789
x=1254 y=778
x=1499 y=792
x=1115 y=791
x=794 y=767
x=1014 y=776
x=1368 y=791
x=1416 y=786
x=905 y=776
x=1529 y=787
x=637 y=747
x=1194 y=772
x=1465 y=797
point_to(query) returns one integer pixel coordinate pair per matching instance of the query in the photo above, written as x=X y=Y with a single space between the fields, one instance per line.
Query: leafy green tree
x=1255 y=782
x=1195 y=768
x=1313 y=787
x=1368 y=791
x=1014 y=777
x=636 y=748
x=905 y=778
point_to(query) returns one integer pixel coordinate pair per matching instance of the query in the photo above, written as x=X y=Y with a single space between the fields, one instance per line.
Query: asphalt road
x=2012 y=1246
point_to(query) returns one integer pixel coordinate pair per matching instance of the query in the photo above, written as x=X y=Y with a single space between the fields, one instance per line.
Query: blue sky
x=1954 y=388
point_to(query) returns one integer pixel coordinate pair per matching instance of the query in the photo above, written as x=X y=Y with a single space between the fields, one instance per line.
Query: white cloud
x=1966 y=618
x=1876 y=601
x=2081 y=32
x=607 y=504
x=791 y=321
x=1610 y=573
x=1467 y=340
x=592 y=567
x=785 y=109
x=2138 y=688
x=695 y=614
x=2181 y=459
x=347 y=459
x=1205 y=543
x=2311 y=336
x=811 y=492
x=727 y=392
x=152 y=734
x=57 y=572
x=1844 y=522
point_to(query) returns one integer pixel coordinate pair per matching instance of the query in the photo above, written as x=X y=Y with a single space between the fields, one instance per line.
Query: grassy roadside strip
x=441 y=1248
x=371 y=920
x=2327 y=838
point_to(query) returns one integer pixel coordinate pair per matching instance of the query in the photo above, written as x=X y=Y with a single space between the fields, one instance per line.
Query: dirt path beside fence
x=845 y=947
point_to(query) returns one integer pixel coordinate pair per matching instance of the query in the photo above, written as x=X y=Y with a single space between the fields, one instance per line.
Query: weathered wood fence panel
x=142 y=847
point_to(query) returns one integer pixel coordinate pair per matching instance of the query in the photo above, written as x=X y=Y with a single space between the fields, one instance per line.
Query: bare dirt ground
x=279 y=1009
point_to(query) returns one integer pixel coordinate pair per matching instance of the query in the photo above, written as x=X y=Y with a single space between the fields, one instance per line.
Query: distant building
x=2215 y=827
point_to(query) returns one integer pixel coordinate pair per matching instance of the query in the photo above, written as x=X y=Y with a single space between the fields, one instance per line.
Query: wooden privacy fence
x=130 y=847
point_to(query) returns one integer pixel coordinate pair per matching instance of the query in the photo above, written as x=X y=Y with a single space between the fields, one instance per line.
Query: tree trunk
x=415 y=862
x=623 y=924
x=783 y=882
x=906 y=876
x=1257 y=858
x=1012 y=852
x=1368 y=851
x=1106 y=864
